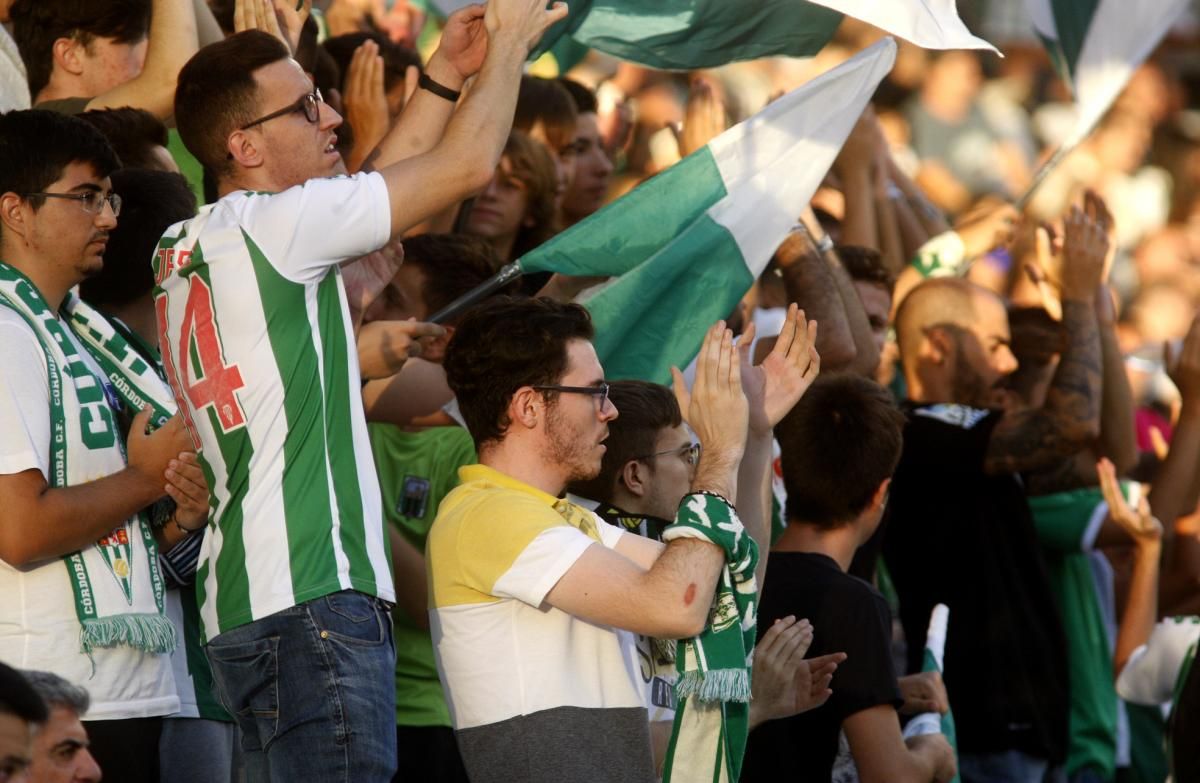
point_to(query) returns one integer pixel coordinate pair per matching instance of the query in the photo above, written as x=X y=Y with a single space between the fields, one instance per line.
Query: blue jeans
x=312 y=690
x=1012 y=766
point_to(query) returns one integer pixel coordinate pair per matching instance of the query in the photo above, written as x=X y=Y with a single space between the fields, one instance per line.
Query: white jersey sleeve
x=307 y=229
x=24 y=399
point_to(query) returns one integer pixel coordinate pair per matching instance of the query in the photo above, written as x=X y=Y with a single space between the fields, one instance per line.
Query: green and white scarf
x=712 y=720
x=116 y=581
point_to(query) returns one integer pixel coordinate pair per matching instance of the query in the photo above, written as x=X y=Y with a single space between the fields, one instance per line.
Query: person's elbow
x=14 y=548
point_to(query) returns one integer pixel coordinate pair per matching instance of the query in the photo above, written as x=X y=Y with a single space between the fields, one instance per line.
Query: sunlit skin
x=588 y=189
x=60 y=751
x=499 y=212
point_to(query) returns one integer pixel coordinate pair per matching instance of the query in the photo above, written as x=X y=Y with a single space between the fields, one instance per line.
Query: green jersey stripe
x=306 y=479
x=351 y=525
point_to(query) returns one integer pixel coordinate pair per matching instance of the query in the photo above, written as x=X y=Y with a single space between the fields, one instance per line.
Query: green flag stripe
x=338 y=429
x=305 y=473
x=631 y=229
x=1072 y=20
x=679 y=300
x=233 y=597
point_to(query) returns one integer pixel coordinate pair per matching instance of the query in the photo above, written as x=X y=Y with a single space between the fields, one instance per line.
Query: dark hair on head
x=133 y=134
x=1035 y=340
x=327 y=76
x=645 y=409
x=217 y=93
x=548 y=102
x=838 y=444
x=17 y=697
x=865 y=264
x=585 y=99
x=396 y=58
x=35 y=147
x=503 y=344
x=56 y=692
x=37 y=24
x=151 y=201
x=453 y=264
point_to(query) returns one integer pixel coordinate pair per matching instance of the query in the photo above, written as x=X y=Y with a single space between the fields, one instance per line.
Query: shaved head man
x=954 y=343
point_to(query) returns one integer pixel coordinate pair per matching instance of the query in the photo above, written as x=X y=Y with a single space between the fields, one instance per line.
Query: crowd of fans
x=260 y=519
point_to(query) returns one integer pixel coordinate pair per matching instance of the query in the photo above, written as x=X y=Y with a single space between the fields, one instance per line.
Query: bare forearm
x=1176 y=489
x=810 y=283
x=889 y=243
x=685 y=577
x=859 y=226
x=754 y=484
x=423 y=121
x=1074 y=395
x=927 y=215
x=866 y=354
x=172 y=42
x=1141 y=607
x=63 y=520
x=718 y=473
x=1118 y=440
x=207 y=29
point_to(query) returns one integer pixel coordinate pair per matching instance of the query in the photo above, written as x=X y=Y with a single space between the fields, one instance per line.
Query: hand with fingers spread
x=1139 y=523
x=923 y=692
x=1183 y=366
x=266 y=15
x=464 y=41
x=784 y=682
x=717 y=411
x=775 y=386
x=187 y=486
x=384 y=346
x=1085 y=248
x=521 y=22
x=365 y=102
x=987 y=226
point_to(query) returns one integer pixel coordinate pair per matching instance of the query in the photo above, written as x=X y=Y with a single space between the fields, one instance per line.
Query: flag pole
x=1052 y=163
x=506 y=275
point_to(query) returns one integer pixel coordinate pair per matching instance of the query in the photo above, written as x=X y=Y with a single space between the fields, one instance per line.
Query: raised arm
x=172 y=43
x=1176 y=488
x=464 y=159
x=1070 y=418
x=810 y=283
x=671 y=598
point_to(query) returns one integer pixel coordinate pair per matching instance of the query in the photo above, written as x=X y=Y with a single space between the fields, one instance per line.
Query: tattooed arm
x=1070 y=418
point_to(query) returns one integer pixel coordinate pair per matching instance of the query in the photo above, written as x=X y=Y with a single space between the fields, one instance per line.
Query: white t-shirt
x=39 y=628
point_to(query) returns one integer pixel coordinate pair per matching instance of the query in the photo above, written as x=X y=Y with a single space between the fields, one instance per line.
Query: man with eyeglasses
x=536 y=599
x=294 y=583
x=78 y=558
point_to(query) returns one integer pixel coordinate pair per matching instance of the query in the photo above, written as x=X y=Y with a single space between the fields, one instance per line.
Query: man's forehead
x=583 y=361
x=283 y=76
x=81 y=173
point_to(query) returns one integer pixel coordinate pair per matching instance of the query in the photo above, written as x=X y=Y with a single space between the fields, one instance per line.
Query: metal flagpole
x=506 y=275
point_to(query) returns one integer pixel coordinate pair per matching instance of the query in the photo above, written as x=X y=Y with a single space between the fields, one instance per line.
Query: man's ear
x=12 y=214
x=526 y=408
x=244 y=147
x=939 y=346
x=634 y=476
x=68 y=54
x=879 y=499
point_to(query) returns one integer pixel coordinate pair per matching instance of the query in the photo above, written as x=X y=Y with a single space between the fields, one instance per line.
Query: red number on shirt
x=168 y=360
x=216 y=382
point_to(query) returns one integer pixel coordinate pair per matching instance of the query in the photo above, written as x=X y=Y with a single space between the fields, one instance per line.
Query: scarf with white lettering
x=116 y=581
x=712 y=719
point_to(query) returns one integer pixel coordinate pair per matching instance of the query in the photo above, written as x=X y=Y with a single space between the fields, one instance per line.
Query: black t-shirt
x=848 y=615
x=958 y=536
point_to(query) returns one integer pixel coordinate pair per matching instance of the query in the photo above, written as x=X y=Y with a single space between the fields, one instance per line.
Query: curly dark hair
x=503 y=344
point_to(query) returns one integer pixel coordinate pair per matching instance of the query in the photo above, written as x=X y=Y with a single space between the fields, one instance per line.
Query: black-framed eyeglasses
x=689 y=454
x=309 y=103
x=92 y=201
x=600 y=390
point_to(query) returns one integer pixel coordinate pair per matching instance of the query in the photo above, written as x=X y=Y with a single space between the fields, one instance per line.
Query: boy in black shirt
x=840 y=445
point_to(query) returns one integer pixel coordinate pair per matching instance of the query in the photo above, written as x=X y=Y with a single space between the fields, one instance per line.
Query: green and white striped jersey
x=257 y=343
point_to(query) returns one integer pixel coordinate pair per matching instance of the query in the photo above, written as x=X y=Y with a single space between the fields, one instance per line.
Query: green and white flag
x=688 y=243
x=935 y=648
x=1097 y=44
x=687 y=34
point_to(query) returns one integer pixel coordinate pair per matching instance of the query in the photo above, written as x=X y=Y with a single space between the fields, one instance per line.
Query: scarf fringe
x=715 y=685
x=152 y=633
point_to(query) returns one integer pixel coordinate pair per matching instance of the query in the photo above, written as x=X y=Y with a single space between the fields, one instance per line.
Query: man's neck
x=41 y=275
x=524 y=466
x=838 y=544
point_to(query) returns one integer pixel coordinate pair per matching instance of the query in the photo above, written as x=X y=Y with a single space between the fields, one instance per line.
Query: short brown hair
x=838 y=445
x=503 y=344
x=865 y=265
x=217 y=93
x=452 y=264
x=645 y=409
x=547 y=101
x=534 y=167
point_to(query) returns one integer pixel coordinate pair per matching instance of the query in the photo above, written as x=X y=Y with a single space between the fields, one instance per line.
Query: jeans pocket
x=350 y=617
x=247 y=680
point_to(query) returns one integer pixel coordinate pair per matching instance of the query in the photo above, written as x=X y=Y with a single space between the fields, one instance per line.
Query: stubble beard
x=567 y=446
